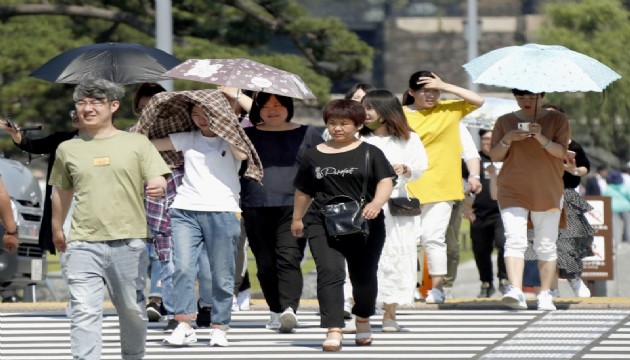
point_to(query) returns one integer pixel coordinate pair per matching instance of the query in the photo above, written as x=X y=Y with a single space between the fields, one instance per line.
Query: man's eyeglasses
x=96 y=104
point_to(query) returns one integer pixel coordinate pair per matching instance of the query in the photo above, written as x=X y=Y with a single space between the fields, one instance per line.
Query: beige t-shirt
x=108 y=177
x=531 y=177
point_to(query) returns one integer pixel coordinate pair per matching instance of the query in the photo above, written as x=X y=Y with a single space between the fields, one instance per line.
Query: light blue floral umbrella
x=540 y=68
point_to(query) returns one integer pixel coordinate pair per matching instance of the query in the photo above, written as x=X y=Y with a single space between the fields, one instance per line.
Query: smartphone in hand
x=523 y=126
x=10 y=123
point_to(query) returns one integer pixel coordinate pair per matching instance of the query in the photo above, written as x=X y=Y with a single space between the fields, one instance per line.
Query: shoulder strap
x=367 y=174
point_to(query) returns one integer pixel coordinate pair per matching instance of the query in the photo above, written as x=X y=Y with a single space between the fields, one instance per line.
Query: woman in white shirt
x=386 y=128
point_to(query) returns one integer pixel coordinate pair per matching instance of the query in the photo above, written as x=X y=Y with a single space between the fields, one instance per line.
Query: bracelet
x=547 y=144
x=504 y=144
x=475 y=176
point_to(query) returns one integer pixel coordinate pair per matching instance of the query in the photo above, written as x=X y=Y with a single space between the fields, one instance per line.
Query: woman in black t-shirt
x=337 y=167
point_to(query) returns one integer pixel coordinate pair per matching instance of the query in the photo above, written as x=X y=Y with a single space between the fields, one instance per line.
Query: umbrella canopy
x=485 y=116
x=540 y=68
x=169 y=112
x=243 y=74
x=121 y=63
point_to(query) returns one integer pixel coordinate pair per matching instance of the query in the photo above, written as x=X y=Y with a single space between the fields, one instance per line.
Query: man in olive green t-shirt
x=105 y=171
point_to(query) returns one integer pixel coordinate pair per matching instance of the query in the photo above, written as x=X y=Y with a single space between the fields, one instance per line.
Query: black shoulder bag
x=343 y=215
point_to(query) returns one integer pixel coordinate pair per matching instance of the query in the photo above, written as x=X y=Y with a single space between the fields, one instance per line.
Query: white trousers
x=545 y=232
x=435 y=218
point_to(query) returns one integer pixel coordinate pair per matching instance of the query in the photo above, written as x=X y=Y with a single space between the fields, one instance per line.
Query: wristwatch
x=475 y=176
x=504 y=144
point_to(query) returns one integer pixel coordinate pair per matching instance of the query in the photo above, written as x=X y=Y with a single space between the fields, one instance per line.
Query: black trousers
x=362 y=255
x=278 y=255
x=486 y=234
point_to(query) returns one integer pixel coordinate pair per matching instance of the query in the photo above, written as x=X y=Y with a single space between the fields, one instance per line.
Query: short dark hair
x=261 y=99
x=362 y=86
x=345 y=109
x=145 y=90
x=518 y=92
x=408 y=99
x=99 y=89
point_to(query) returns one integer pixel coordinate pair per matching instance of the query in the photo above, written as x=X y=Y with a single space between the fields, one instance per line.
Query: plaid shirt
x=157 y=214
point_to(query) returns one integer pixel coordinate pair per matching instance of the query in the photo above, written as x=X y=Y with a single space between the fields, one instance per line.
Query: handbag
x=343 y=215
x=404 y=206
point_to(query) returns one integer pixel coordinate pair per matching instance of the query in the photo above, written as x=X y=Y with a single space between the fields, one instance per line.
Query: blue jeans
x=161 y=273
x=220 y=231
x=121 y=265
x=204 y=277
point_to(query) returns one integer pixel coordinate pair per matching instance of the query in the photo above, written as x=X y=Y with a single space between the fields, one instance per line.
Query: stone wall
x=438 y=44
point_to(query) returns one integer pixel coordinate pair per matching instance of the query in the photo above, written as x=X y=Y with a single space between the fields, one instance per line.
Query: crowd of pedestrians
x=180 y=209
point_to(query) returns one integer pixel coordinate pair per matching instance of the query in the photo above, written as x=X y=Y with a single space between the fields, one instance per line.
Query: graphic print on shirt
x=320 y=173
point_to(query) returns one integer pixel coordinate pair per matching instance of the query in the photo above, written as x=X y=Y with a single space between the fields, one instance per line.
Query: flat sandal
x=363 y=339
x=332 y=344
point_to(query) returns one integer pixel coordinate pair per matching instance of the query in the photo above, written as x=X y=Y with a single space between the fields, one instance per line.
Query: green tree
x=598 y=28
x=276 y=32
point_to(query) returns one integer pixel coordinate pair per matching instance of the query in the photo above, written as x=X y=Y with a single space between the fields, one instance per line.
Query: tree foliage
x=276 y=32
x=599 y=29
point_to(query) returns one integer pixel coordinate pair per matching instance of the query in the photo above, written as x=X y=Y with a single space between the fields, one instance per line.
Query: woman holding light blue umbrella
x=532 y=143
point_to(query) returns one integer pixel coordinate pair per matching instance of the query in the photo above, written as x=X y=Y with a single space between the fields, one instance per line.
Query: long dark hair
x=261 y=99
x=388 y=108
x=144 y=90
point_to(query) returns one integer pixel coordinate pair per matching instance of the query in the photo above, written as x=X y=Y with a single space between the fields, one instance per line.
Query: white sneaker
x=218 y=337
x=274 y=321
x=347 y=309
x=514 y=298
x=235 y=306
x=416 y=295
x=243 y=300
x=545 y=301
x=579 y=288
x=435 y=296
x=288 y=321
x=183 y=335
x=448 y=293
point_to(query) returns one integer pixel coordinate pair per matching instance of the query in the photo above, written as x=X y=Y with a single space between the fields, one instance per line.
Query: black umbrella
x=121 y=63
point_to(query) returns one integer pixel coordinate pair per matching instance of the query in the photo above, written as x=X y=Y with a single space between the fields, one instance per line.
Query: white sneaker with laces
x=514 y=298
x=218 y=337
x=183 y=335
x=545 y=301
x=274 y=321
x=579 y=288
x=288 y=321
x=435 y=296
x=243 y=300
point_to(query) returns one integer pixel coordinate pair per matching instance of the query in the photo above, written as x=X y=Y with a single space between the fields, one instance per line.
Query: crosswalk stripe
x=448 y=334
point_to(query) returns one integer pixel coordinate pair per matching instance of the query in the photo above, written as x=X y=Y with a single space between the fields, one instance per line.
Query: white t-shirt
x=210 y=180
